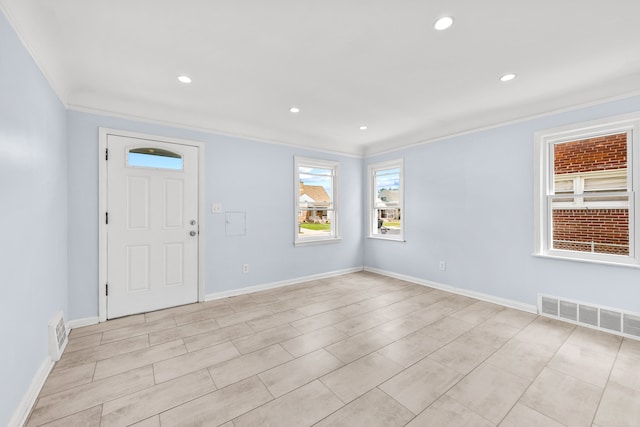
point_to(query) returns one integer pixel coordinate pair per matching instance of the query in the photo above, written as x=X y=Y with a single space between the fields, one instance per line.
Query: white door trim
x=102 y=208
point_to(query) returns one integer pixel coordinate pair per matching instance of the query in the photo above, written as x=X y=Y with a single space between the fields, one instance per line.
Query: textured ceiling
x=345 y=64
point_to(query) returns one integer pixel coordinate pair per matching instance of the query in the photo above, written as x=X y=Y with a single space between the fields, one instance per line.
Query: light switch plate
x=216 y=208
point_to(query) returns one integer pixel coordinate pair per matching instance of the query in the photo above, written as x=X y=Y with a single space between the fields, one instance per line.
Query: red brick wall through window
x=593 y=154
x=591 y=230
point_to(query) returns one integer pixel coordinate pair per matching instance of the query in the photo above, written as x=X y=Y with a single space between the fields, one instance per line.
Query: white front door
x=152 y=225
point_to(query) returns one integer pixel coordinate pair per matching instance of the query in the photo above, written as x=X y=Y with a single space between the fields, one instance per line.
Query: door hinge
x=106 y=218
x=106 y=154
x=107 y=289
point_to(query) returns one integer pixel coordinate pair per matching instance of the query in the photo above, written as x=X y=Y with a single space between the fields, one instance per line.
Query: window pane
x=314 y=223
x=581 y=220
x=154 y=158
x=315 y=202
x=603 y=153
x=604 y=231
x=315 y=189
x=388 y=222
x=387 y=188
x=386 y=202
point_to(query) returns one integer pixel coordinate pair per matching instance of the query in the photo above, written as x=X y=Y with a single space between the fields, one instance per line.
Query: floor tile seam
x=589 y=349
x=164 y=409
x=377 y=308
x=273 y=398
x=101 y=402
x=473 y=411
x=464 y=376
x=93 y=380
x=398 y=402
x=190 y=372
x=344 y=405
x=325 y=385
x=129 y=354
x=512 y=406
x=263 y=346
x=182 y=337
x=104 y=328
x=602 y=389
x=333 y=308
x=125 y=338
x=412 y=365
x=358 y=332
x=171 y=313
x=213 y=345
x=571 y=376
x=67 y=350
x=95 y=359
x=61 y=372
x=101 y=345
x=606 y=384
x=64 y=416
x=359 y=357
x=546 y=366
x=296 y=358
x=191 y=322
x=248 y=354
x=537 y=411
x=495 y=350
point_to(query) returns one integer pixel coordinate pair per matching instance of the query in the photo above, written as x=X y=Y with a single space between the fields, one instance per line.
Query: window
x=585 y=201
x=386 y=200
x=154 y=158
x=316 y=183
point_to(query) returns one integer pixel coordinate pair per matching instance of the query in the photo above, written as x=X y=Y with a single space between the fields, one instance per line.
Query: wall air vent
x=569 y=310
x=58 y=336
x=631 y=325
x=548 y=305
x=593 y=316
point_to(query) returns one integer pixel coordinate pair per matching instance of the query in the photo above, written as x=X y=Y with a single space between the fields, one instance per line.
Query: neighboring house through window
x=586 y=200
x=316 y=212
x=386 y=200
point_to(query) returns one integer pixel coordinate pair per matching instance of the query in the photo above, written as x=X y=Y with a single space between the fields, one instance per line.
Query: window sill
x=392 y=239
x=631 y=263
x=312 y=242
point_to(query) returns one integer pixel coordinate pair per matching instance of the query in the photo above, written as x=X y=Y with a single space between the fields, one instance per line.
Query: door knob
x=193 y=222
x=192 y=233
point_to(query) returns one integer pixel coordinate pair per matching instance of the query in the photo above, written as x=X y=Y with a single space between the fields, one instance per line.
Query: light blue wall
x=469 y=202
x=243 y=175
x=33 y=217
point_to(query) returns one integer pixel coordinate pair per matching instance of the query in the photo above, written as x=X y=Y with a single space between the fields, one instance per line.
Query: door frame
x=102 y=209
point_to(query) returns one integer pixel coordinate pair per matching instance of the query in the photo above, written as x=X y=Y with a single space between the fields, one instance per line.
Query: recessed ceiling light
x=363 y=128
x=507 y=77
x=294 y=109
x=443 y=23
x=184 y=79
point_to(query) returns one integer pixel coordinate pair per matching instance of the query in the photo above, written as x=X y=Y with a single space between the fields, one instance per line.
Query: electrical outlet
x=442 y=266
x=245 y=268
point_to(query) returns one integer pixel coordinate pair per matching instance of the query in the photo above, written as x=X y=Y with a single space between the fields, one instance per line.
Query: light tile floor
x=354 y=350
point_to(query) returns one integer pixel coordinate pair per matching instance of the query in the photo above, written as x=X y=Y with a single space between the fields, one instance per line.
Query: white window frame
x=544 y=186
x=334 y=235
x=371 y=200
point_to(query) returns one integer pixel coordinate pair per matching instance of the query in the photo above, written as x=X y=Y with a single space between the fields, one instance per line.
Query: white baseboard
x=273 y=285
x=530 y=308
x=29 y=399
x=78 y=323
